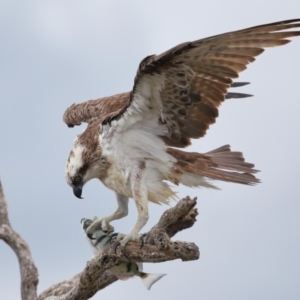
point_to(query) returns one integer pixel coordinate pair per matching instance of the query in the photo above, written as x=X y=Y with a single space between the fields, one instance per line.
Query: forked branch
x=96 y=275
x=158 y=248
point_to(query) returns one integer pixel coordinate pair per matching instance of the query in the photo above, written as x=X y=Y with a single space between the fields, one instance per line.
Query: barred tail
x=222 y=164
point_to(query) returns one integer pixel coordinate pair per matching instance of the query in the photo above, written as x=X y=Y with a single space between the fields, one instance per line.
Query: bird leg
x=121 y=212
x=140 y=196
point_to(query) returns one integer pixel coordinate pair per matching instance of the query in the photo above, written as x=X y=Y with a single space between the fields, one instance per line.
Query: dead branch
x=29 y=273
x=181 y=216
x=96 y=275
x=158 y=248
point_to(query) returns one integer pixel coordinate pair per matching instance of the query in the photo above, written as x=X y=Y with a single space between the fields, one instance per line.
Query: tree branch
x=158 y=248
x=181 y=216
x=29 y=273
x=96 y=275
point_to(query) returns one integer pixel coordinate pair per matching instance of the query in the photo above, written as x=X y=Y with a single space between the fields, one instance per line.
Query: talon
x=90 y=236
x=112 y=236
x=124 y=253
x=142 y=241
x=116 y=245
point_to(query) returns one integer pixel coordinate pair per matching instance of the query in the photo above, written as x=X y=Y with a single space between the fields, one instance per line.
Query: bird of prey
x=133 y=141
x=101 y=241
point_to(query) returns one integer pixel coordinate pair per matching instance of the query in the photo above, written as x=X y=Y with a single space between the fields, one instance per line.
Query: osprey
x=132 y=142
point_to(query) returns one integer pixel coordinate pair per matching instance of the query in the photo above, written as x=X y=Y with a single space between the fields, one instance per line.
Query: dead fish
x=102 y=240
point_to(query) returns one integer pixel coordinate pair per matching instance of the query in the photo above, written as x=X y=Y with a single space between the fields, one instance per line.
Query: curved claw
x=112 y=236
x=124 y=253
x=116 y=245
x=90 y=236
x=142 y=241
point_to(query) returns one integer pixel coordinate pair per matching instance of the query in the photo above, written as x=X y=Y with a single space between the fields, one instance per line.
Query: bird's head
x=84 y=163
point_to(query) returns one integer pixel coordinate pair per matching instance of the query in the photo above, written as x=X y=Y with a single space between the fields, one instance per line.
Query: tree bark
x=96 y=275
x=29 y=273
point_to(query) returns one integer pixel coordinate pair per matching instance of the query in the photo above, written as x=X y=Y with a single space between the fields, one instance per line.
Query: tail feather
x=149 y=279
x=218 y=164
x=230 y=160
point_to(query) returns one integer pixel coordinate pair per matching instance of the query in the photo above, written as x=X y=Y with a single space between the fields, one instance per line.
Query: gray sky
x=55 y=53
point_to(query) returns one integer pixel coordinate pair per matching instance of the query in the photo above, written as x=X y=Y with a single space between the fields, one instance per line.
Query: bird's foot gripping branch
x=158 y=247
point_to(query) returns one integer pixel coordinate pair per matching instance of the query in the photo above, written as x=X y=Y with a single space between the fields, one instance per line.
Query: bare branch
x=29 y=273
x=181 y=216
x=96 y=275
x=65 y=289
x=159 y=248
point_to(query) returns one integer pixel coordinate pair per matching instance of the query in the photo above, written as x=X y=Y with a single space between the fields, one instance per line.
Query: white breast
x=124 y=150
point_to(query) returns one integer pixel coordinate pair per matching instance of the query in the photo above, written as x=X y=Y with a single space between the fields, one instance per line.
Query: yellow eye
x=77 y=179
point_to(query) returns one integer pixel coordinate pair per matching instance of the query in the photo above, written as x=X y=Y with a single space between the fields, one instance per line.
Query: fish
x=101 y=240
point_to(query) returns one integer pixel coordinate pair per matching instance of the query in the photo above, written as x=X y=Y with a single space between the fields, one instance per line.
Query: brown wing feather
x=104 y=108
x=215 y=61
x=196 y=77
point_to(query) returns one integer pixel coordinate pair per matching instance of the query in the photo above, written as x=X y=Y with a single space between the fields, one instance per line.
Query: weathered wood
x=158 y=248
x=96 y=275
x=29 y=273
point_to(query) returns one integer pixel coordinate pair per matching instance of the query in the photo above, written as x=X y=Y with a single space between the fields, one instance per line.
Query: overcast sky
x=55 y=53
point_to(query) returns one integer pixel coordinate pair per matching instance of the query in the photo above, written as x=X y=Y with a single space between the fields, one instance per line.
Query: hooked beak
x=77 y=190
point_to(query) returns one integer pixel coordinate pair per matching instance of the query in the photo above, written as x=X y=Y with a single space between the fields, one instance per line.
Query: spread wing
x=183 y=87
x=103 y=108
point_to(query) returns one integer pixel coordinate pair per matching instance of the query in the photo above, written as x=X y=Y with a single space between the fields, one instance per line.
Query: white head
x=84 y=163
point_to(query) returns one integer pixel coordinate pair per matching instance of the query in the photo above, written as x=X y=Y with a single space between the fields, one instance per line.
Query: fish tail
x=149 y=279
